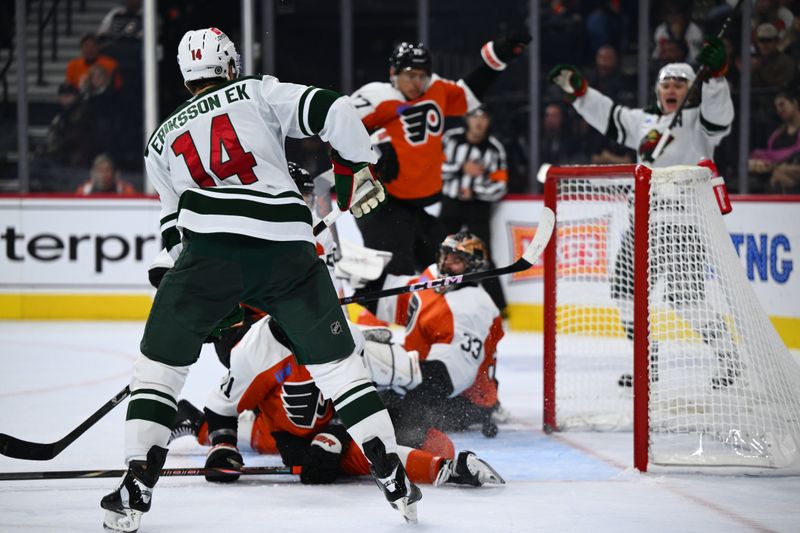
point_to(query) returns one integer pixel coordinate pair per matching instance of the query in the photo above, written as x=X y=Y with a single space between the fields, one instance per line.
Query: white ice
x=54 y=374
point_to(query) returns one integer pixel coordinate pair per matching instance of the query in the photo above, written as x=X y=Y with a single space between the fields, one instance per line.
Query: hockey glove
x=714 y=56
x=499 y=52
x=321 y=462
x=569 y=79
x=355 y=180
x=291 y=447
x=388 y=167
x=224 y=456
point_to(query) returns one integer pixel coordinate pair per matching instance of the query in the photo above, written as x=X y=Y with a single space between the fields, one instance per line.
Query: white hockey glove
x=356 y=187
x=389 y=364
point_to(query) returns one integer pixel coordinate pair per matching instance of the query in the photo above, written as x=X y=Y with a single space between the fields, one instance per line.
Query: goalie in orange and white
x=455 y=330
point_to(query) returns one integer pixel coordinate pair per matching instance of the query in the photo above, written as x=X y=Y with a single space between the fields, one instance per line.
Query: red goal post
x=643 y=255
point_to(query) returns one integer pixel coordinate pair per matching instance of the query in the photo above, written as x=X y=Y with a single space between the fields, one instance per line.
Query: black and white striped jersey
x=488 y=187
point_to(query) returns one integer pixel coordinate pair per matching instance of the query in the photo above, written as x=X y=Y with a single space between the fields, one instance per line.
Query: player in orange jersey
x=294 y=419
x=406 y=119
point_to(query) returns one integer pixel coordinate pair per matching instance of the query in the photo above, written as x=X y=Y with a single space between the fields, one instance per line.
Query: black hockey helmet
x=302 y=178
x=407 y=55
x=469 y=247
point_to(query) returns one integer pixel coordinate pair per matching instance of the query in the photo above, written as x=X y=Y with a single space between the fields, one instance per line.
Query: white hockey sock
x=155 y=388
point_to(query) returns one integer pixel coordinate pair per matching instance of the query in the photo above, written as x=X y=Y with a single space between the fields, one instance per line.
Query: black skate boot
x=730 y=370
x=188 y=420
x=391 y=477
x=124 y=506
x=467 y=469
x=626 y=380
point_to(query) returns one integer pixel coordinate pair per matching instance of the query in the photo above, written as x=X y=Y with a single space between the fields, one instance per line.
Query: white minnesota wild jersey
x=699 y=130
x=218 y=162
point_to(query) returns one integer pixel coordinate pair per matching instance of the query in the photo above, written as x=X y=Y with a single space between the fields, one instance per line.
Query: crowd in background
x=100 y=100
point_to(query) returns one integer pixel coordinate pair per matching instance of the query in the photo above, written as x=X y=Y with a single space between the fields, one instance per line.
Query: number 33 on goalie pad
x=389 y=364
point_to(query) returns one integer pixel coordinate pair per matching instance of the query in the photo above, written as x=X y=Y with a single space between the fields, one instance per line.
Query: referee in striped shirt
x=474 y=176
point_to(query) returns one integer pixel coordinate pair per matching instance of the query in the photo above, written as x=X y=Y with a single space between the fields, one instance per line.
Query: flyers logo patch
x=421 y=119
x=303 y=403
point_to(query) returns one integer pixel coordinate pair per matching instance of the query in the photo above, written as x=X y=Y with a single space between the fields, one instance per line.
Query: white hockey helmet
x=206 y=53
x=681 y=71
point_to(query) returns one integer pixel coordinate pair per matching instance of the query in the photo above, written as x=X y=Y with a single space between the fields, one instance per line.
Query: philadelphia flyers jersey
x=414 y=128
x=460 y=327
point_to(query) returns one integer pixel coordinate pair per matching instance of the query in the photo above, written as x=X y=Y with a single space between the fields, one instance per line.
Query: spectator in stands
x=671 y=51
x=783 y=146
x=557 y=144
x=67 y=142
x=605 y=25
x=104 y=179
x=609 y=80
x=770 y=11
x=120 y=34
x=677 y=26
x=474 y=177
x=78 y=68
x=772 y=69
x=607 y=77
x=102 y=105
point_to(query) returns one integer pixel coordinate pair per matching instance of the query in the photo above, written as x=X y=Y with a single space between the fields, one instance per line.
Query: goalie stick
x=84 y=474
x=529 y=257
x=36 y=451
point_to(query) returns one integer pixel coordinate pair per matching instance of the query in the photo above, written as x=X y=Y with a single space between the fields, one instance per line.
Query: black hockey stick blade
x=87 y=474
x=36 y=451
x=531 y=255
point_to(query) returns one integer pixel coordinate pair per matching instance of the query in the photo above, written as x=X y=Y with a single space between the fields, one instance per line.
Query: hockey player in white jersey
x=694 y=137
x=239 y=231
x=701 y=127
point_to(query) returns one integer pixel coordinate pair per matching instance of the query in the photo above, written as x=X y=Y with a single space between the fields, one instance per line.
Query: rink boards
x=86 y=258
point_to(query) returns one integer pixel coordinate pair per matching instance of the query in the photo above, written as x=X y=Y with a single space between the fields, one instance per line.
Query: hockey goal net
x=651 y=324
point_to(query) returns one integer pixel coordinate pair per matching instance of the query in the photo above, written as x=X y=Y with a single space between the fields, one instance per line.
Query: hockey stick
x=698 y=81
x=83 y=474
x=36 y=451
x=529 y=257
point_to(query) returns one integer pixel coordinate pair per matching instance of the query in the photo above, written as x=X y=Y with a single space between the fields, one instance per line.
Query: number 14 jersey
x=218 y=161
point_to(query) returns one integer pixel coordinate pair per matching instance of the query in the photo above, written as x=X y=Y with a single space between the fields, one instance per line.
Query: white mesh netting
x=724 y=390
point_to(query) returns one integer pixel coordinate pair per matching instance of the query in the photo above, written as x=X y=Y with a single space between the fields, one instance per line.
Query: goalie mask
x=466 y=246
x=207 y=53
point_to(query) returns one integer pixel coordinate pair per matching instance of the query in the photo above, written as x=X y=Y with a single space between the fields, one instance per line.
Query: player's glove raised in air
x=714 y=56
x=355 y=180
x=224 y=456
x=569 y=79
x=321 y=462
x=499 y=52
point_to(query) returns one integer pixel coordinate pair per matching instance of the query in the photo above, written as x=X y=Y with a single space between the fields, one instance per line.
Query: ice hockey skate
x=389 y=474
x=187 y=421
x=468 y=469
x=125 y=506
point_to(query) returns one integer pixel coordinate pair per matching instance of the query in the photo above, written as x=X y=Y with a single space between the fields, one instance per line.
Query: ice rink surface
x=54 y=374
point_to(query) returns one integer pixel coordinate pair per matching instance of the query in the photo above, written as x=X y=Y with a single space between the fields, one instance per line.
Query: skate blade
x=493 y=476
x=408 y=510
x=127 y=522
